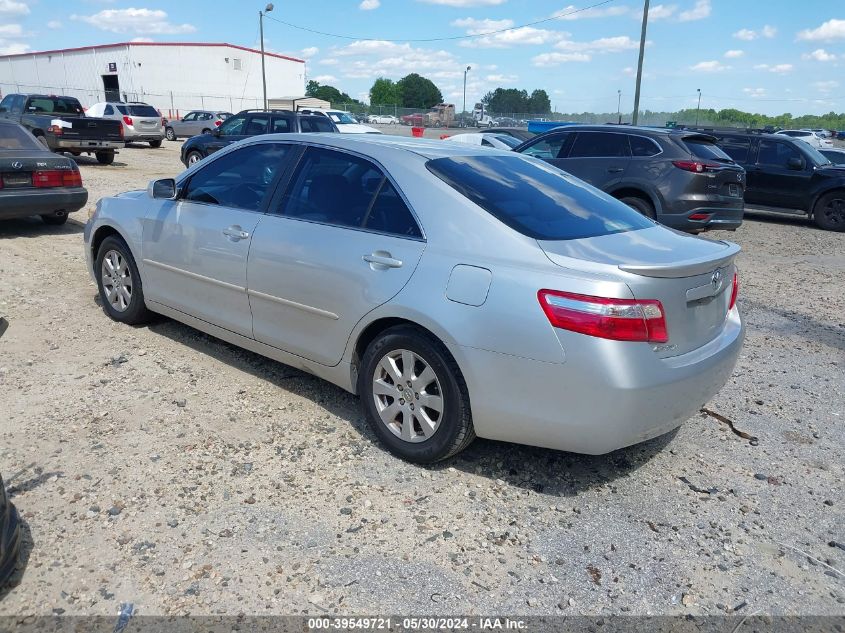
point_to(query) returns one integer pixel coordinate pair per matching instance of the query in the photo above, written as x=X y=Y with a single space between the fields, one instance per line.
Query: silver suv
x=195 y=122
x=141 y=121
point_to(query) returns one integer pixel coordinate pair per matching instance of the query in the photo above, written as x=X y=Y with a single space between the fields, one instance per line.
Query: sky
x=769 y=57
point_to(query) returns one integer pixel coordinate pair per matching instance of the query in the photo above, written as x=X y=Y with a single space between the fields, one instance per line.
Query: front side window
x=191 y=116
x=599 y=145
x=315 y=124
x=233 y=126
x=548 y=147
x=239 y=179
x=345 y=190
x=776 y=154
x=535 y=198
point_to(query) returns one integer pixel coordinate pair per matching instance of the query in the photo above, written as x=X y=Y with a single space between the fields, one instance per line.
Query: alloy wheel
x=407 y=395
x=834 y=211
x=117 y=280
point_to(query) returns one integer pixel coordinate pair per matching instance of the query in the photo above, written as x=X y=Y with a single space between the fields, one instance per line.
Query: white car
x=345 y=122
x=486 y=139
x=813 y=138
x=382 y=119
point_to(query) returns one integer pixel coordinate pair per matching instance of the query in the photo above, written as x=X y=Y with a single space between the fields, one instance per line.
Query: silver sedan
x=459 y=291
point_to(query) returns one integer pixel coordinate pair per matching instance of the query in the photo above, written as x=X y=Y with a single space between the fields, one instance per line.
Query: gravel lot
x=159 y=466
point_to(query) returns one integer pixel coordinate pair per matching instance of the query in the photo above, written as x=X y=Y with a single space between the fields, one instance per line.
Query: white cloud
x=554 y=59
x=820 y=55
x=309 y=52
x=141 y=39
x=474 y=26
x=567 y=12
x=10 y=7
x=700 y=11
x=465 y=3
x=525 y=35
x=748 y=34
x=369 y=5
x=55 y=24
x=755 y=92
x=502 y=78
x=713 y=66
x=13 y=48
x=10 y=30
x=661 y=11
x=830 y=30
x=826 y=86
x=367 y=59
x=734 y=54
x=324 y=79
x=152 y=21
x=776 y=68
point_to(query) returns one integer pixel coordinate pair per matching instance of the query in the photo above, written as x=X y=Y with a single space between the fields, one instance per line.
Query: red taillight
x=734 y=292
x=56 y=130
x=127 y=120
x=694 y=166
x=163 y=121
x=615 y=319
x=700 y=217
x=217 y=122
x=57 y=178
x=122 y=133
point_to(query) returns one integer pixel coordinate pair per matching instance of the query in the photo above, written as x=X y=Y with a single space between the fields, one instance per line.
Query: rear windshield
x=535 y=198
x=54 y=105
x=315 y=124
x=138 y=110
x=701 y=148
x=14 y=137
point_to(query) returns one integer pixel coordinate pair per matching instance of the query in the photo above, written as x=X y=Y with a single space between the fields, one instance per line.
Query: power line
x=558 y=16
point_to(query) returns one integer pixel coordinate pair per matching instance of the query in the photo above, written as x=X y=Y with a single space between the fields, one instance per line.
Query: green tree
x=385 y=92
x=539 y=102
x=418 y=92
x=329 y=93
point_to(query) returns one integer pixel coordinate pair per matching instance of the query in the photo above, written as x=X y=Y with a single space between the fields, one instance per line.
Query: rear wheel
x=170 y=134
x=105 y=158
x=829 y=212
x=55 y=220
x=193 y=157
x=155 y=144
x=640 y=205
x=414 y=396
x=119 y=282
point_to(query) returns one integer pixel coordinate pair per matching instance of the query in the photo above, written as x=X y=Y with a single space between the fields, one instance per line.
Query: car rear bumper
x=89 y=146
x=605 y=396
x=20 y=203
x=134 y=137
x=717 y=217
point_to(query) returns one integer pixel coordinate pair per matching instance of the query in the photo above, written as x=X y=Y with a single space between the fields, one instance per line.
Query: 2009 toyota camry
x=459 y=291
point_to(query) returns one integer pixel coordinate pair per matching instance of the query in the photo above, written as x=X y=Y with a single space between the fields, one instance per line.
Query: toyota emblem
x=17 y=165
x=717 y=279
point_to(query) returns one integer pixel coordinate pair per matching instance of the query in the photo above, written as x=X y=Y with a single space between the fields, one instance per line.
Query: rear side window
x=642 y=146
x=315 y=124
x=281 y=125
x=257 y=125
x=701 y=148
x=599 y=145
x=536 y=199
x=14 y=137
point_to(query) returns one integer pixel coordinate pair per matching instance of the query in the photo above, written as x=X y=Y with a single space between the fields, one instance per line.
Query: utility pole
x=698 y=108
x=640 y=64
x=267 y=9
x=464 y=111
x=619 y=108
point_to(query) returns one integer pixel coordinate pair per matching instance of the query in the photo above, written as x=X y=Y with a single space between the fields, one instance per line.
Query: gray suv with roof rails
x=679 y=178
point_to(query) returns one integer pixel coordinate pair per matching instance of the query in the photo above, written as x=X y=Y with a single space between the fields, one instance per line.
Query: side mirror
x=796 y=164
x=164 y=189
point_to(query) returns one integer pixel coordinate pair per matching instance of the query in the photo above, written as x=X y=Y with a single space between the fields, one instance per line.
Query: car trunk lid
x=691 y=277
x=17 y=168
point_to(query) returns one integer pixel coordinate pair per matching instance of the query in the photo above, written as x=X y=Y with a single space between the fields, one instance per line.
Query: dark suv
x=787 y=175
x=252 y=123
x=681 y=179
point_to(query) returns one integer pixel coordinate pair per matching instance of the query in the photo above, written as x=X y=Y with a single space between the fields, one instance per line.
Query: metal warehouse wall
x=171 y=77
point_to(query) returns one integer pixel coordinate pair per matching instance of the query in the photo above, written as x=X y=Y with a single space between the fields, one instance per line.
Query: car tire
x=206 y=131
x=829 y=212
x=452 y=429
x=121 y=274
x=641 y=206
x=193 y=157
x=155 y=144
x=105 y=158
x=169 y=134
x=54 y=220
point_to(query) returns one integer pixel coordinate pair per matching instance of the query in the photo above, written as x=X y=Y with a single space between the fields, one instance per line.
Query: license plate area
x=17 y=180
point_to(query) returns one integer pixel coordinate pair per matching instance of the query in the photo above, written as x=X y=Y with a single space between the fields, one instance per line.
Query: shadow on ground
x=34 y=227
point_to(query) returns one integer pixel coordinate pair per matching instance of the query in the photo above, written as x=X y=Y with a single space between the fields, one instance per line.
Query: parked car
x=681 y=179
x=808 y=136
x=382 y=119
x=195 y=122
x=822 y=133
x=484 y=139
x=61 y=125
x=840 y=135
x=521 y=134
x=251 y=123
x=417 y=119
x=835 y=156
x=459 y=291
x=142 y=123
x=34 y=181
x=10 y=536
x=787 y=175
x=345 y=122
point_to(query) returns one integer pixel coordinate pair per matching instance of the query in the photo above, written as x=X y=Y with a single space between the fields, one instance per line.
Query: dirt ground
x=159 y=466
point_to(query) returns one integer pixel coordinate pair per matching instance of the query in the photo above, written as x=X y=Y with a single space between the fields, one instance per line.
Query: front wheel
x=414 y=396
x=170 y=134
x=105 y=158
x=829 y=212
x=119 y=282
x=193 y=158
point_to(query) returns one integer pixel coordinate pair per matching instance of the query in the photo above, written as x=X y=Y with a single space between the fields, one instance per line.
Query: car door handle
x=235 y=233
x=615 y=170
x=381 y=260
